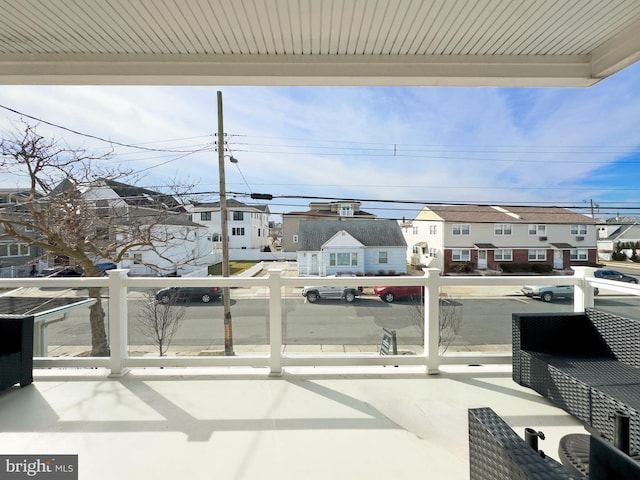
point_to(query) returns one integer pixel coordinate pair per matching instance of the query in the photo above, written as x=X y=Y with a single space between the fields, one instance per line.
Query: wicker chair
x=16 y=350
x=585 y=363
x=496 y=452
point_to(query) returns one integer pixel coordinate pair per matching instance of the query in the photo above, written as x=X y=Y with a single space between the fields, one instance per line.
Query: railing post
x=432 y=320
x=583 y=291
x=275 y=321
x=118 y=318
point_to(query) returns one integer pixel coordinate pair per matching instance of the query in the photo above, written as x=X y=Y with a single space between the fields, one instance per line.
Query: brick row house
x=479 y=237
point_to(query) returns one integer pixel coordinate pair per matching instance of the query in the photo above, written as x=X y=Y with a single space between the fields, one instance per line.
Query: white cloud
x=448 y=144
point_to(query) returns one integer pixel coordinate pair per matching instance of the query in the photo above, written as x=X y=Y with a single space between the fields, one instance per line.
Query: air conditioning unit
x=543 y=239
x=579 y=239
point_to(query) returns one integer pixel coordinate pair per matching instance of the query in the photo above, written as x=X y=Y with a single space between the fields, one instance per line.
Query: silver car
x=315 y=293
x=546 y=293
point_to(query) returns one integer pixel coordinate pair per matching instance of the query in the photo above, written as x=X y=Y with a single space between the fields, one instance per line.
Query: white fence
x=118 y=285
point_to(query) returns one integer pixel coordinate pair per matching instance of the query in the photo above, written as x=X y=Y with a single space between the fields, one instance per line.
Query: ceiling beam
x=305 y=70
x=618 y=53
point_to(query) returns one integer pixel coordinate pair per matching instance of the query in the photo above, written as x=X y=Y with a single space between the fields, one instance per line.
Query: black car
x=187 y=294
x=614 y=275
x=63 y=272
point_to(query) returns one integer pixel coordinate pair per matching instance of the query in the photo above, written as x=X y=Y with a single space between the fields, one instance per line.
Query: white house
x=357 y=247
x=487 y=237
x=616 y=232
x=248 y=226
x=176 y=245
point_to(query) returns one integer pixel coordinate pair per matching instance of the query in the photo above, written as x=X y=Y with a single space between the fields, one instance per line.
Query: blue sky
x=448 y=144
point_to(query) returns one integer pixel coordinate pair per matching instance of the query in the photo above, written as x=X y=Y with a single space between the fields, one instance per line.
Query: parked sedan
x=614 y=275
x=389 y=294
x=187 y=294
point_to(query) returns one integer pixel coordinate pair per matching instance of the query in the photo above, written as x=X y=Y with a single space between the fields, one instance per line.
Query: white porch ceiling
x=317 y=42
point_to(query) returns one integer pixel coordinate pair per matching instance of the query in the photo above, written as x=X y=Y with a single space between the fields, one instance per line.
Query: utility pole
x=224 y=224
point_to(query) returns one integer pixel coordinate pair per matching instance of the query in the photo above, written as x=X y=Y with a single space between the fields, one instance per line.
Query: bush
x=618 y=257
x=525 y=268
x=461 y=267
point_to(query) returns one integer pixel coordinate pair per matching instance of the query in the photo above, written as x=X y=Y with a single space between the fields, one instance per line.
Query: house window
x=537 y=255
x=137 y=258
x=205 y=216
x=579 y=254
x=461 y=229
x=578 y=229
x=346 y=211
x=503 y=255
x=502 y=229
x=433 y=252
x=238 y=216
x=460 y=255
x=383 y=257
x=237 y=231
x=14 y=250
x=537 y=230
x=433 y=229
x=415 y=230
x=343 y=259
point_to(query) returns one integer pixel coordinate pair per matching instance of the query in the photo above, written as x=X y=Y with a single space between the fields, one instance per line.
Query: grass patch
x=235 y=267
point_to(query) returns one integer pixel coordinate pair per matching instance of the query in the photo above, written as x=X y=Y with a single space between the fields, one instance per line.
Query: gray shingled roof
x=143 y=197
x=371 y=233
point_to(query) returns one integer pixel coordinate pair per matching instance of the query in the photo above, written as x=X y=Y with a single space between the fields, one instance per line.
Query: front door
x=558 y=260
x=314 y=264
x=482 y=259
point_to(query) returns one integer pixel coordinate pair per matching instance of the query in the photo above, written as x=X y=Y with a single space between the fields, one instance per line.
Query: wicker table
x=573 y=451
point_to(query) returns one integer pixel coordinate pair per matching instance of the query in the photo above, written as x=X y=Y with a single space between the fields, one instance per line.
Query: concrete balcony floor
x=310 y=423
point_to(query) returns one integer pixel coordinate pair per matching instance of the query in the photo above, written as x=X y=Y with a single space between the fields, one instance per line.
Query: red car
x=389 y=294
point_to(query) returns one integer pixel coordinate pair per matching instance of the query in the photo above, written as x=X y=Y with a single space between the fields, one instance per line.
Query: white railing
x=118 y=285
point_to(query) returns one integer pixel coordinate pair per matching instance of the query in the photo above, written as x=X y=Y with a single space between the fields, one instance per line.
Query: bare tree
x=59 y=217
x=449 y=317
x=160 y=321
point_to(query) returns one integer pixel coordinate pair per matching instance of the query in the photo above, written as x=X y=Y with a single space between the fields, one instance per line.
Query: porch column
x=432 y=320
x=275 y=322
x=583 y=291
x=118 y=320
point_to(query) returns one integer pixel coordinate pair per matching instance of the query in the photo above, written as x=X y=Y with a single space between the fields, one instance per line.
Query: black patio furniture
x=585 y=363
x=496 y=452
x=16 y=350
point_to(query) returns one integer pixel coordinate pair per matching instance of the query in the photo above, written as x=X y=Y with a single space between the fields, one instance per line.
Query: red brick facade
x=521 y=256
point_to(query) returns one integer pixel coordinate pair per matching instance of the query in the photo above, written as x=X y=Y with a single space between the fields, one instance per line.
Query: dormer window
x=346 y=211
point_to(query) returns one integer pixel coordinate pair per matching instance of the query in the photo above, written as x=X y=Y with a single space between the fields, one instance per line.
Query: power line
x=95 y=137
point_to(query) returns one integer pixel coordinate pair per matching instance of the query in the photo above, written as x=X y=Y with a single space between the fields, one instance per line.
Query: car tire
x=164 y=299
x=313 y=297
x=349 y=296
x=546 y=297
x=206 y=298
x=388 y=297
